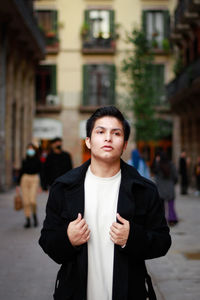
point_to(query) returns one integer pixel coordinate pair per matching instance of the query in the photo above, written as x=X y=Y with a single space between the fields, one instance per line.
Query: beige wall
x=70 y=59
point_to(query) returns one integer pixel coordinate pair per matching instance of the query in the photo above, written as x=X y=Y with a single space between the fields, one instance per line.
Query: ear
x=125 y=145
x=87 y=142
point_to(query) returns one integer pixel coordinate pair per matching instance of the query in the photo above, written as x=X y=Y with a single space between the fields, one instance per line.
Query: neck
x=104 y=169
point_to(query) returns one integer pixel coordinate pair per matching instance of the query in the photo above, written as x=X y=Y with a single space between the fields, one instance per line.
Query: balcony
x=184 y=91
x=186 y=13
x=51 y=104
x=98 y=45
x=48 y=23
x=52 y=42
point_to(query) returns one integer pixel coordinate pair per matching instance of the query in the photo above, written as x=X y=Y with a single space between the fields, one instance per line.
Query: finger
x=117 y=225
x=84 y=229
x=113 y=235
x=119 y=218
x=78 y=219
x=81 y=223
x=114 y=229
x=86 y=233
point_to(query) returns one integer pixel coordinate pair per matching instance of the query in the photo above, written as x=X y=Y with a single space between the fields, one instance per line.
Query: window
x=46 y=84
x=98 y=29
x=48 y=23
x=158 y=83
x=156 y=25
x=98 y=85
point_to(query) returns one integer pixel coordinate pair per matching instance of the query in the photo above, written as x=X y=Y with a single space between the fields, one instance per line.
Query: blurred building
x=21 y=47
x=184 y=90
x=85 y=43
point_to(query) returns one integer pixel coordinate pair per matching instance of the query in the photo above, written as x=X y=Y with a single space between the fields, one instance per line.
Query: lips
x=107 y=147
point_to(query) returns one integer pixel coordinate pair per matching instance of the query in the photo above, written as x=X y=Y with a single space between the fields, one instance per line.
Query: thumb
x=119 y=218
x=78 y=218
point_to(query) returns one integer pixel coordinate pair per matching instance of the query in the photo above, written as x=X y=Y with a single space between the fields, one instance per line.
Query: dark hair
x=165 y=165
x=56 y=139
x=32 y=146
x=105 y=111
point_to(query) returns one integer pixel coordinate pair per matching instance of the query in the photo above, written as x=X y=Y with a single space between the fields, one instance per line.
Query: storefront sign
x=46 y=128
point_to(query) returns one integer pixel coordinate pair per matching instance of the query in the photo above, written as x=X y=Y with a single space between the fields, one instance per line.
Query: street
x=27 y=273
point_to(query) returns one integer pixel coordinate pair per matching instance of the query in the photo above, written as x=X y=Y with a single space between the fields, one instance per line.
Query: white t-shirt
x=101 y=198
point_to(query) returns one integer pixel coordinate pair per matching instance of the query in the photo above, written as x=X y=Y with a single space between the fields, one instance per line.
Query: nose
x=108 y=137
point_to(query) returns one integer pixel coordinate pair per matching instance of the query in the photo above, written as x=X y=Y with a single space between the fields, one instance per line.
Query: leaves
x=137 y=67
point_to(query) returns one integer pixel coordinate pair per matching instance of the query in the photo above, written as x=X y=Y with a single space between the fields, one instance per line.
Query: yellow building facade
x=82 y=70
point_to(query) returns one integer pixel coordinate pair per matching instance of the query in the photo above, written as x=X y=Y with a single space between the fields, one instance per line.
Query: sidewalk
x=26 y=273
x=177 y=275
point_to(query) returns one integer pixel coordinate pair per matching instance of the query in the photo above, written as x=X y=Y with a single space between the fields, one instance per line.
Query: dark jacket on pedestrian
x=138 y=202
x=183 y=171
x=56 y=165
x=166 y=184
x=30 y=165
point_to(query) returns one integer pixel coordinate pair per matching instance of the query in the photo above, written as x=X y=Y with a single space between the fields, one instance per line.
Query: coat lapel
x=125 y=208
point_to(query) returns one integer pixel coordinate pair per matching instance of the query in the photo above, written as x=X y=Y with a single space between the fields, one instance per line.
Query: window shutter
x=87 y=16
x=166 y=23
x=144 y=22
x=85 y=100
x=112 y=71
x=53 y=80
x=55 y=20
x=112 y=22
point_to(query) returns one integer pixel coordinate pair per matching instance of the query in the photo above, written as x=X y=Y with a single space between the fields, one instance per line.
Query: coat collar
x=77 y=175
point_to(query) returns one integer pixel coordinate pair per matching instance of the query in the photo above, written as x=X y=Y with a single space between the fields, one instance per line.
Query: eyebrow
x=113 y=129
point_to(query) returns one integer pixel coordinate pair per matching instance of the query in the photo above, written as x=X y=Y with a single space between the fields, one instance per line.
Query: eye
x=117 y=133
x=99 y=131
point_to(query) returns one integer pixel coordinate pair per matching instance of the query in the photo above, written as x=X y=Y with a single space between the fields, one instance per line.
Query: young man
x=103 y=220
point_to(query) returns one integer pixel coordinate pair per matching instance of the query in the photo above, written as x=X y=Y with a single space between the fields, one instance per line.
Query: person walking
x=28 y=181
x=57 y=162
x=197 y=175
x=103 y=220
x=137 y=160
x=183 y=171
x=166 y=178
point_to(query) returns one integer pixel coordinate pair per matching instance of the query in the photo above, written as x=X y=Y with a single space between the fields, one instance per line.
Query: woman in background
x=166 y=178
x=29 y=183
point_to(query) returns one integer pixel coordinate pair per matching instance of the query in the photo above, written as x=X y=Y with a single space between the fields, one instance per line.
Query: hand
x=78 y=231
x=119 y=232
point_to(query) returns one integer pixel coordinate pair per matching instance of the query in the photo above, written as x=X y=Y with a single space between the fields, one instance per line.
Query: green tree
x=141 y=100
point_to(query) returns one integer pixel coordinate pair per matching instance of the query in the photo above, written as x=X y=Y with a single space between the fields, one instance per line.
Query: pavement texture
x=26 y=273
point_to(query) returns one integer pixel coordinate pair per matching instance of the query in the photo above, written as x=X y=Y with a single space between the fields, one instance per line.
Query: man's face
x=107 y=139
x=57 y=146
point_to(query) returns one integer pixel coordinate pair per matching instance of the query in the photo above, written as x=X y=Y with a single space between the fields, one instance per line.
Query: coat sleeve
x=54 y=239
x=152 y=239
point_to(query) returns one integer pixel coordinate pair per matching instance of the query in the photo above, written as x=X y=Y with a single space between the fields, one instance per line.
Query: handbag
x=18 y=203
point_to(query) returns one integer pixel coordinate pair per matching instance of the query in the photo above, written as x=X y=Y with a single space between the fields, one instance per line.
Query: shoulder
x=74 y=176
x=132 y=175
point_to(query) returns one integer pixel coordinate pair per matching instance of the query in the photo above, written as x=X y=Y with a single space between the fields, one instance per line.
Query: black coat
x=56 y=165
x=149 y=236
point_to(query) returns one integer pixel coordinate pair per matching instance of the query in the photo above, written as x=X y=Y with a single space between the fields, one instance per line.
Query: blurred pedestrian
x=183 y=171
x=138 y=161
x=43 y=157
x=29 y=183
x=197 y=175
x=166 y=178
x=58 y=161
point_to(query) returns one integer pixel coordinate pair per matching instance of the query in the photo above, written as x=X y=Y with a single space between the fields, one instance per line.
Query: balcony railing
x=52 y=104
x=98 y=45
x=184 y=80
